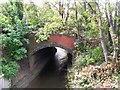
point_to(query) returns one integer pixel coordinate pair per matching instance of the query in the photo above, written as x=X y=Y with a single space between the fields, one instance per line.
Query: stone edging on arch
x=45 y=44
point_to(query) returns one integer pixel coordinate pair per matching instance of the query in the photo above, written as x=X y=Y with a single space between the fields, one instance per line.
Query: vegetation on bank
x=97 y=59
x=12 y=37
x=95 y=26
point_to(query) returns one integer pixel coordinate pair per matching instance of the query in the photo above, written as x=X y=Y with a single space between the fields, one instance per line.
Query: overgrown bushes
x=100 y=76
x=10 y=69
x=88 y=55
x=13 y=37
x=94 y=46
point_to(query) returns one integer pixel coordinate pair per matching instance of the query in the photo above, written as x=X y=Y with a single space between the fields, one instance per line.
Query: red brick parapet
x=63 y=40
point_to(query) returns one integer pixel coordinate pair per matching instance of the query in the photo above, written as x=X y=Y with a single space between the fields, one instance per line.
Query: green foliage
x=32 y=16
x=81 y=60
x=10 y=70
x=38 y=16
x=15 y=9
x=87 y=22
x=15 y=31
x=13 y=42
x=96 y=53
x=87 y=31
x=19 y=54
x=51 y=26
x=91 y=61
x=80 y=46
x=4 y=21
x=44 y=20
x=92 y=77
x=93 y=56
x=92 y=27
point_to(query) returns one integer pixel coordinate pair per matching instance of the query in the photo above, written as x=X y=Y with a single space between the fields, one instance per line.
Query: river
x=49 y=77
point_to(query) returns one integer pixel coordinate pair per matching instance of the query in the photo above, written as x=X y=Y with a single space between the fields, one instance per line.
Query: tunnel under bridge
x=58 y=50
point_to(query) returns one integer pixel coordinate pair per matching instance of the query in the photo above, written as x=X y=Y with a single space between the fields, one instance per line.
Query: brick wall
x=63 y=40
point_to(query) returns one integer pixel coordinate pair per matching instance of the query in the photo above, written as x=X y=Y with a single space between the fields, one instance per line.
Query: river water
x=49 y=77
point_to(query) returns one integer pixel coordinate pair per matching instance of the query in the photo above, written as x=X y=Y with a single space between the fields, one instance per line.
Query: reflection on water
x=49 y=77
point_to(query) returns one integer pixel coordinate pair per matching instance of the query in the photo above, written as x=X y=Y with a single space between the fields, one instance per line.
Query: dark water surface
x=49 y=77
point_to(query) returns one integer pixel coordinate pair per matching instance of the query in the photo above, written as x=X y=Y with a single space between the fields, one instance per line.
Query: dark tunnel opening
x=51 y=76
x=44 y=54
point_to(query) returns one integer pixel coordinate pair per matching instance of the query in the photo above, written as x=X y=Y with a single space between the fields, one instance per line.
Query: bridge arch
x=35 y=54
x=61 y=41
x=50 y=44
x=34 y=49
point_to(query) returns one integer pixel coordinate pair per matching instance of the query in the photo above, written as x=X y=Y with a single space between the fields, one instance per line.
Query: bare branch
x=114 y=26
x=107 y=15
x=68 y=4
x=55 y=7
x=76 y=12
x=93 y=11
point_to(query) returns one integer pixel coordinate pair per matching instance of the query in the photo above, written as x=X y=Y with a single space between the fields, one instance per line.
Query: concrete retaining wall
x=39 y=60
x=25 y=81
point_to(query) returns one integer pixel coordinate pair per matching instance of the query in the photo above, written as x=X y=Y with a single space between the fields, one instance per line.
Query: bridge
x=39 y=54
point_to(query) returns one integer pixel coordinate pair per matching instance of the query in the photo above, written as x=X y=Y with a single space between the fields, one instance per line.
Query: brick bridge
x=35 y=62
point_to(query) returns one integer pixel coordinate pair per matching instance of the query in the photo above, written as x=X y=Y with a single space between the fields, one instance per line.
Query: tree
x=112 y=29
x=96 y=14
x=102 y=39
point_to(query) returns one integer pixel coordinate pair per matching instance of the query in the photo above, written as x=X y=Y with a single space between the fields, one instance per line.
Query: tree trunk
x=85 y=10
x=76 y=16
x=61 y=9
x=102 y=39
x=108 y=24
x=113 y=34
x=67 y=14
x=76 y=13
x=85 y=6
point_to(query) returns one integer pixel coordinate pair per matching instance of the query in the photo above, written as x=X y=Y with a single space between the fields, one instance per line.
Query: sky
x=40 y=2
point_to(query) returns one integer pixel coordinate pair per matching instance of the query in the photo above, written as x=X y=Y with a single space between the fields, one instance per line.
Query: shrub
x=96 y=53
x=79 y=46
x=10 y=70
x=13 y=37
x=90 y=61
x=92 y=77
x=82 y=60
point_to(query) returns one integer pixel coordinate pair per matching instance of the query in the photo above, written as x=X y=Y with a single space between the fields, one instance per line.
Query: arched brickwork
x=64 y=42
x=46 y=44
